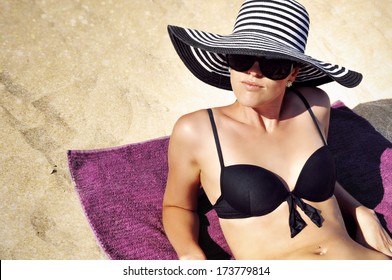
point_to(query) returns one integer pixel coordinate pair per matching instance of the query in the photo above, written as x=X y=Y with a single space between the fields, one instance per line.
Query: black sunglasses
x=274 y=69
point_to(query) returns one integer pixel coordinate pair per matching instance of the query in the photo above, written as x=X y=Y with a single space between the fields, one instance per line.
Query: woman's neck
x=265 y=116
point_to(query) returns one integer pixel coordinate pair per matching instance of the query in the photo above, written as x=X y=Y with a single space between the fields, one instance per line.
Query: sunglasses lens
x=240 y=62
x=274 y=69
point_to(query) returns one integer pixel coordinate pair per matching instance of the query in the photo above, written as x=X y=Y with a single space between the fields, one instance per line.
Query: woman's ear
x=294 y=73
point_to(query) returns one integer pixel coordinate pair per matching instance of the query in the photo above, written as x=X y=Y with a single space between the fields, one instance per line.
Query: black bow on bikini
x=295 y=220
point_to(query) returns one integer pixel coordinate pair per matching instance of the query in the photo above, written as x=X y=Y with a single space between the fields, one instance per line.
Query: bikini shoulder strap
x=216 y=137
x=299 y=94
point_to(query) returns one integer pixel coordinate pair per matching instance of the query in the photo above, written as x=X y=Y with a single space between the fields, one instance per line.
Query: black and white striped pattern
x=277 y=28
x=284 y=21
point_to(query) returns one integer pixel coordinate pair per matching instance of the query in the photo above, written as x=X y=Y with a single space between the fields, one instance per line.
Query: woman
x=263 y=161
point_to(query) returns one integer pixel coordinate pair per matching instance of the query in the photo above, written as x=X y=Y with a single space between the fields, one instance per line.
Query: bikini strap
x=215 y=132
x=310 y=112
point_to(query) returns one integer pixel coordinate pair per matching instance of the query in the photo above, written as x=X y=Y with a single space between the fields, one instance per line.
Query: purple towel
x=121 y=189
x=364 y=161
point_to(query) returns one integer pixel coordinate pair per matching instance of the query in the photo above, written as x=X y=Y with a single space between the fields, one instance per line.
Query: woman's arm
x=180 y=220
x=370 y=233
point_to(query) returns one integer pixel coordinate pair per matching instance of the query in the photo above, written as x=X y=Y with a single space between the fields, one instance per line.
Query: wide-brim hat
x=272 y=28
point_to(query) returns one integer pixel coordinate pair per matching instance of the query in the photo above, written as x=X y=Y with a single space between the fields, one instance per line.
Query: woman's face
x=253 y=89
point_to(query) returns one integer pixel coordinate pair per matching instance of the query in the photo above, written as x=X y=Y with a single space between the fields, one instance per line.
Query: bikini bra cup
x=259 y=192
x=317 y=179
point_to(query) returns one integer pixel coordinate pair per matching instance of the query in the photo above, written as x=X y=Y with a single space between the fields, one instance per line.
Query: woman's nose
x=255 y=70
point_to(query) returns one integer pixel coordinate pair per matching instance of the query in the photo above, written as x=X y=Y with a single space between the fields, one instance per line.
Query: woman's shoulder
x=316 y=97
x=191 y=125
x=320 y=105
x=191 y=121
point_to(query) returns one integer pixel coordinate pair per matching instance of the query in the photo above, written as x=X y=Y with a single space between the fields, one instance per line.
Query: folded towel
x=121 y=189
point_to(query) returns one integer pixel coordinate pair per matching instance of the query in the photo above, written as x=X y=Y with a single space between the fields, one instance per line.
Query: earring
x=289 y=84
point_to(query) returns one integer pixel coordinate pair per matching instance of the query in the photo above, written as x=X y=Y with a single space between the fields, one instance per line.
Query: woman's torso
x=268 y=236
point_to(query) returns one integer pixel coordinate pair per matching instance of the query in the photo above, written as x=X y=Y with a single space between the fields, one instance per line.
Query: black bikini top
x=248 y=190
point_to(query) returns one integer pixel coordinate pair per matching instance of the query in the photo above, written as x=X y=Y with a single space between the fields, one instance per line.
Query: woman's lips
x=251 y=85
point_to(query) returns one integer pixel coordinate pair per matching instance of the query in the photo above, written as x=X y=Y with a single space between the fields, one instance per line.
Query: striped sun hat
x=273 y=28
